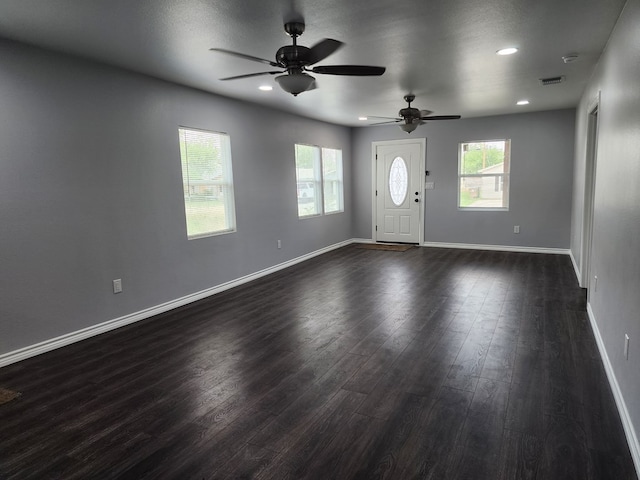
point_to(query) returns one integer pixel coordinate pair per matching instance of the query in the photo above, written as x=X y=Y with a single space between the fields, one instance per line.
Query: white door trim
x=589 y=191
x=374 y=184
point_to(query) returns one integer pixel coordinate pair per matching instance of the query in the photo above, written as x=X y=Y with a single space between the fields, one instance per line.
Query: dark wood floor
x=431 y=363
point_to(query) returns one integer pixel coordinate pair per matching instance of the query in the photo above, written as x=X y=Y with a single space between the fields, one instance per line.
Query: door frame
x=591 y=165
x=374 y=182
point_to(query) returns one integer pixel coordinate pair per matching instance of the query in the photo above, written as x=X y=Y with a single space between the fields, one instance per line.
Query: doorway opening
x=589 y=195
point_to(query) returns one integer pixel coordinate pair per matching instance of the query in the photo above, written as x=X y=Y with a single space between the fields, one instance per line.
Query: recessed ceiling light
x=265 y=88
x=522 y=102
x=363 y=118
x=507 y=51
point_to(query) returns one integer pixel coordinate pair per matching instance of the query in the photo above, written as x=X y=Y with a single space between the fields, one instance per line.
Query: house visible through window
x=208 y=182
x=319 y=180
x=483 y=175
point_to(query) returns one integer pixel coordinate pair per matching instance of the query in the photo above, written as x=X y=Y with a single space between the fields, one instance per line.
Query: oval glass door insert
x=398 y=181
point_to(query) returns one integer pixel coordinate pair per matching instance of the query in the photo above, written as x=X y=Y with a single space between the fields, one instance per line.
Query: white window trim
x=460 y=176
x=320 y=181
x=229 y=206
x=340 y=181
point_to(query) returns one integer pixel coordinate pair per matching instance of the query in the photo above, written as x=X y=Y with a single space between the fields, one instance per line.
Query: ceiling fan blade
x=323 y=49
x=388 y=118
x=245 y=56
x=384 y=123
x=442 y=117
x=249 y=75
x=425 y=113
x=353 y=70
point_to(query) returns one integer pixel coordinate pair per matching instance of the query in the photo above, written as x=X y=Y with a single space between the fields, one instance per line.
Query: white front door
x=399 y=173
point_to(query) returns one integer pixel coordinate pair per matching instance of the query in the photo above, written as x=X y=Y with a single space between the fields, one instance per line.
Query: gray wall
x=616 y=230
x=91 y=190
x=542 y=149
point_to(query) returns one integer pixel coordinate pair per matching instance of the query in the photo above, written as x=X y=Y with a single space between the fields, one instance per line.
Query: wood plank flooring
x=364 y=364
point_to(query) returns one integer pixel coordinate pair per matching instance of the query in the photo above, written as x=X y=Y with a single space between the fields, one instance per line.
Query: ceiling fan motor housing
x=409 y=113
x=293 y=56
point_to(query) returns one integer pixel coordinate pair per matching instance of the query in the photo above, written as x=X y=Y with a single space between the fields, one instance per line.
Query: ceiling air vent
x=551 y=80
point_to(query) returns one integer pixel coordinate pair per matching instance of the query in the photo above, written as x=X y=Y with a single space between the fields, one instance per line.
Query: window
x=483 y=175
x=308 y=180
x=208 y=182
x=319 y=180
x=332 y=180
x=398 y=181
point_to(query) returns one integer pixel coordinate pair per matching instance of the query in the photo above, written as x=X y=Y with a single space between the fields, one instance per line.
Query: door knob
x=416 y=200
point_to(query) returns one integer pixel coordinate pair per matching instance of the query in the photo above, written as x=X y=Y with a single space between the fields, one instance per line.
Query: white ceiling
x=443 y=51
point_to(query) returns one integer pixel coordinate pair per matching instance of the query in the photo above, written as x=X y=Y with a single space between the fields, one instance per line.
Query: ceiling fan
x=295 y=61
x=412 y=117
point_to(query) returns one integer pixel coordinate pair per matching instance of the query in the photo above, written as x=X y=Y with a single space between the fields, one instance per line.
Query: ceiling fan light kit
x=409 y=127
x=295 y=83
x=295 y=60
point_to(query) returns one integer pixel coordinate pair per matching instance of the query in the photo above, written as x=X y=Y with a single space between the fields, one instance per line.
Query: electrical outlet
x=279 y=243
x=626 y=346
x=516 y=229
x=117 y=285
x=429 y=186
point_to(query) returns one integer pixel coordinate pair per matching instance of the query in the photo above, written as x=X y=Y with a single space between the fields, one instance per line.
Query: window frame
x=316 y=180
x=225 y=183
x=319 y=180
x=338 y=181
x=505 y=184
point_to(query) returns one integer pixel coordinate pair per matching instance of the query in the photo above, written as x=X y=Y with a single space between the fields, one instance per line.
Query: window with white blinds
x=208 y=182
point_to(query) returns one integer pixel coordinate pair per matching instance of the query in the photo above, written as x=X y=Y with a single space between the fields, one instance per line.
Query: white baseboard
x=627 y=424
x=477 y=246
x=501 y=248
x=575 y=268
x=69 y=338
